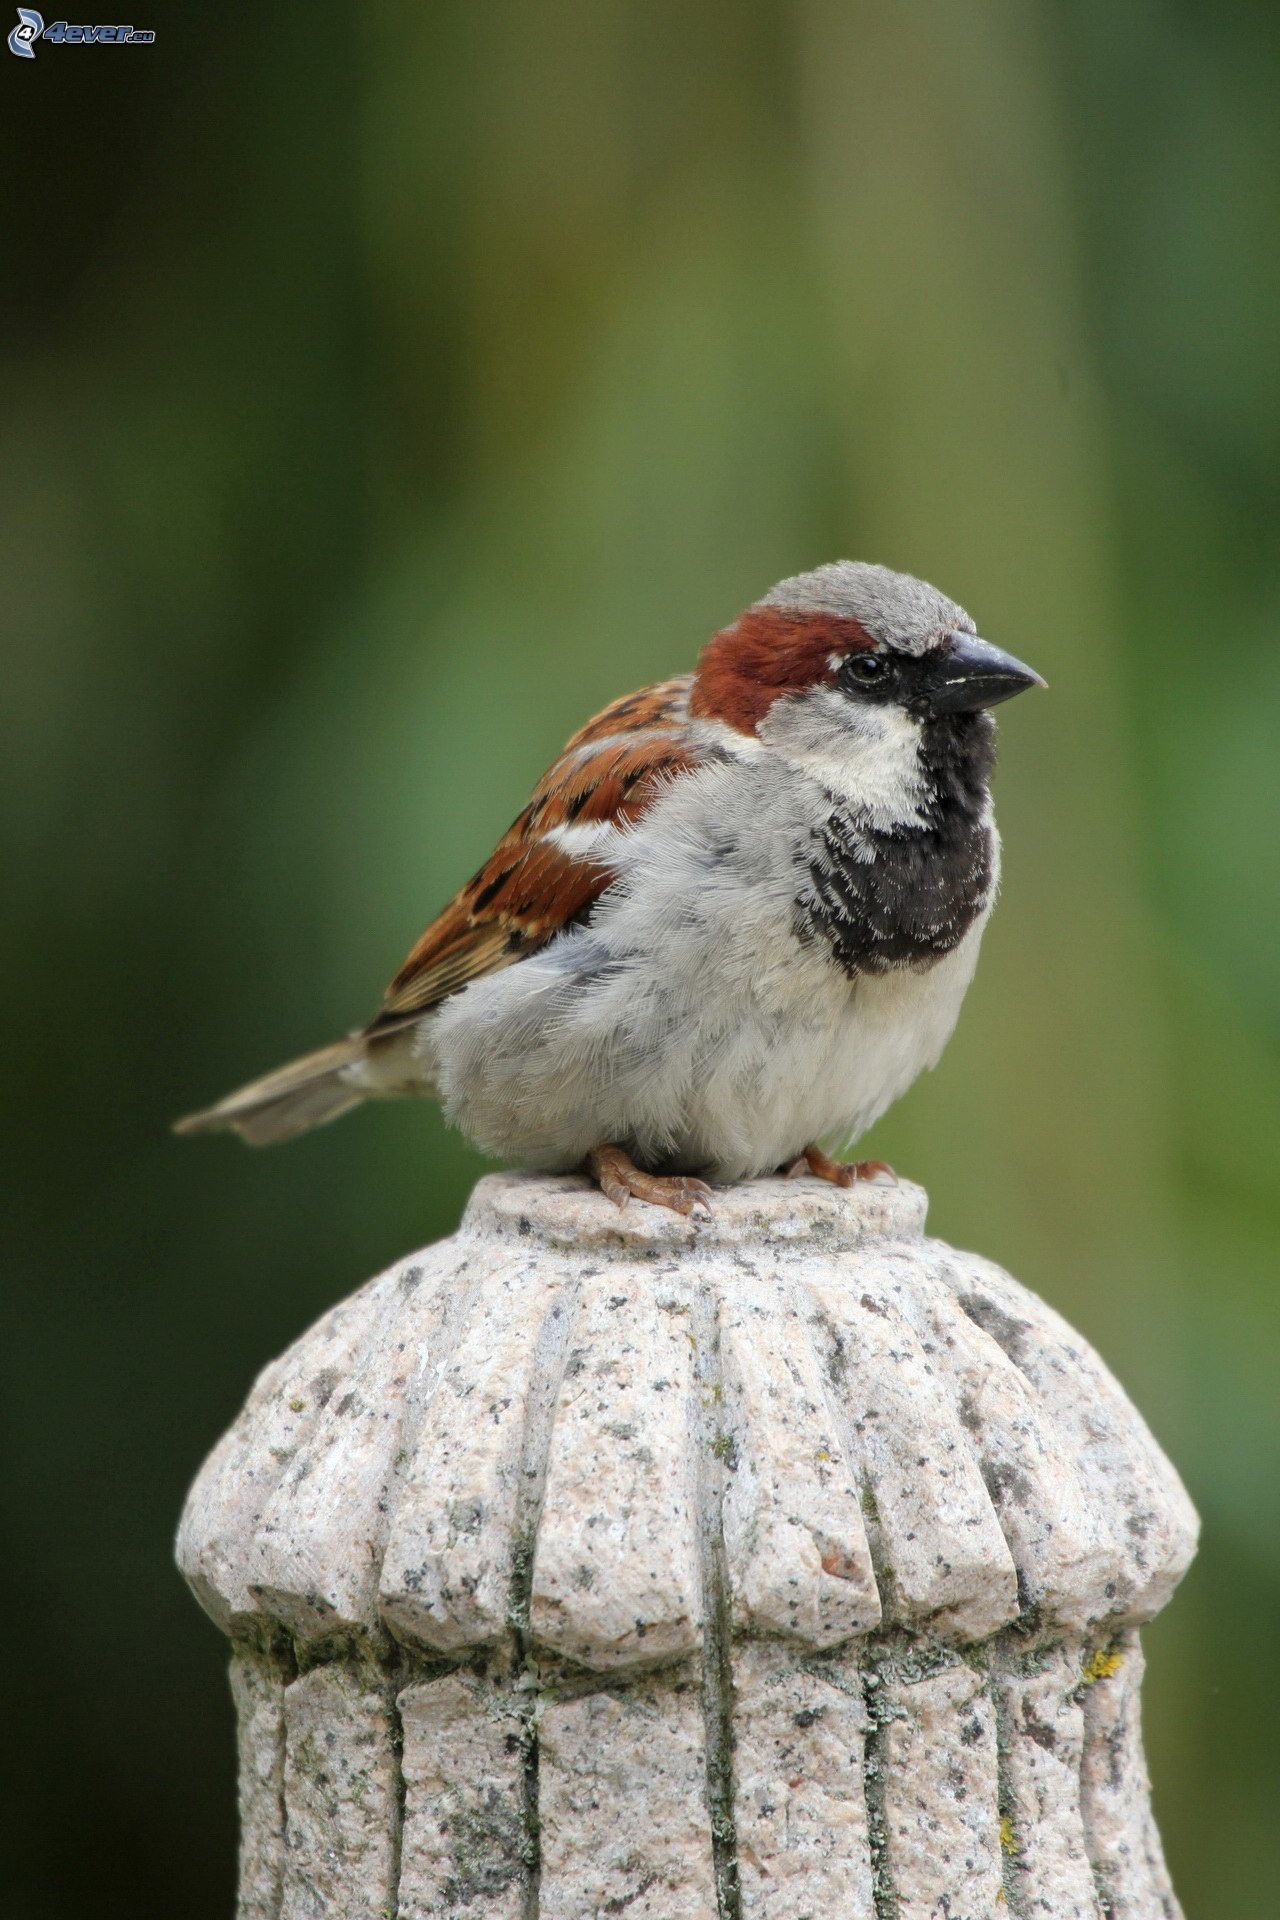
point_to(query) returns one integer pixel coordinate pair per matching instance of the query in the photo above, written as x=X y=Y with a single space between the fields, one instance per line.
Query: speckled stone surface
x=341 y=1800
x=464 y=1842
x=259 y=1704
x=624 y=1822
x=783 y=1564
x=800 y=1802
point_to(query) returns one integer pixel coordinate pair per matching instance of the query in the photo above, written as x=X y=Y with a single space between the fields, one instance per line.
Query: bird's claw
x=619 y=1179
x=841 y=1173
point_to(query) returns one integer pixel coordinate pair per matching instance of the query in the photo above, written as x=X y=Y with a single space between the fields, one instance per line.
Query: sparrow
x=738 y=916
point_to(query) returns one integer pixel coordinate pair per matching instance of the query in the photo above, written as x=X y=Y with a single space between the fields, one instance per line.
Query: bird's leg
x=841 y=1173
x=618 y=1178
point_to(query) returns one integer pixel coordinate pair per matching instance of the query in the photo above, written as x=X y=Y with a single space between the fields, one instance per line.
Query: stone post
x=784 y=1565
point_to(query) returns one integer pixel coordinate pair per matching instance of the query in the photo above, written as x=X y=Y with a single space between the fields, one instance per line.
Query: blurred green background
x=382 y=391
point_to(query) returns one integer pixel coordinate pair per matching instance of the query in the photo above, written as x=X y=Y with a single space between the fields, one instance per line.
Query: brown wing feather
x=530 y=888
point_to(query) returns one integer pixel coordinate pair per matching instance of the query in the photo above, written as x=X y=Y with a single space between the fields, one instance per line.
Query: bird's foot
x=841 y=1173
x=618 y=1178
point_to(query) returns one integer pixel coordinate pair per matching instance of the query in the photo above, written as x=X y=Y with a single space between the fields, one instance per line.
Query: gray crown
x=894 y=608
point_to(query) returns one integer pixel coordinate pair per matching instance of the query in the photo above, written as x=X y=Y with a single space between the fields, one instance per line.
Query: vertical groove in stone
x=1005 y=1803
x=873 y=1786
x=446 y=1575
x=1147 y=1510
x=530 y=1819
x=398 y=1792
x=717 y=1645
x=910 y=1453
x=548 y=1381
x=1059 y=1538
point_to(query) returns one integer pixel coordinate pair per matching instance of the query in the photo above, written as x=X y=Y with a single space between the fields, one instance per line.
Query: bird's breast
x=881 y=901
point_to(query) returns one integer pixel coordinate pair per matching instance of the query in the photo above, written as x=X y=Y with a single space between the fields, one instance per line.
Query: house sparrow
x=737 y=917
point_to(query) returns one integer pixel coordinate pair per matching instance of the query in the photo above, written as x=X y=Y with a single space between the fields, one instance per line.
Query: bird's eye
x=864 y=669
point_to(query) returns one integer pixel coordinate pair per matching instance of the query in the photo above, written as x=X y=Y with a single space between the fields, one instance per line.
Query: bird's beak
x=971 y=673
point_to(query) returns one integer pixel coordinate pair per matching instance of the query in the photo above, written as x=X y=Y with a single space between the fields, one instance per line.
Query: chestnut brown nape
x=766 y=653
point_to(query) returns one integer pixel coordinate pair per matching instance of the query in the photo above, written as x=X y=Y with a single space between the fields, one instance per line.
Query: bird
x=736 y=919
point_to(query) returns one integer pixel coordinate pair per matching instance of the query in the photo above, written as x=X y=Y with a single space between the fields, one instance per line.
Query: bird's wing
x=553 y=862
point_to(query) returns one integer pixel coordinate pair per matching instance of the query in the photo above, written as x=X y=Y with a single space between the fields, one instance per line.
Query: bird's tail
x=293 y=1099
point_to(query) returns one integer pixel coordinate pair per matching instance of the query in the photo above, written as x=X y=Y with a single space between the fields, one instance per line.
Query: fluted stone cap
x=782 y=1564
x=591 y=1429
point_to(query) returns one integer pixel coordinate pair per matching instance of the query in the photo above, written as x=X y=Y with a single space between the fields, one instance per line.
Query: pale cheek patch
x=869 y=756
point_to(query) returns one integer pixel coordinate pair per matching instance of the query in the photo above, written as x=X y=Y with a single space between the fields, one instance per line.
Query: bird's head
x=849 y=670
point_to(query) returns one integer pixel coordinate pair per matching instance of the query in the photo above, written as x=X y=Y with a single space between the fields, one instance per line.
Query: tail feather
x=293 y=1099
